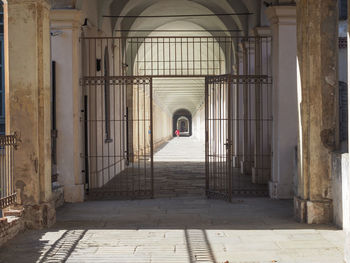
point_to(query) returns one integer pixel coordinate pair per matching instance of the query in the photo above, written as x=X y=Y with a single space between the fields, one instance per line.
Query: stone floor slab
x=178 y=230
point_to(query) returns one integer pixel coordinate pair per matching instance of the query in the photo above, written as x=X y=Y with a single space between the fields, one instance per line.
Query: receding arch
x=182 y=114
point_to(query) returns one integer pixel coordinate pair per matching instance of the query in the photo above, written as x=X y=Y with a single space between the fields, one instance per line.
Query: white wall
x=66 y=51
x=162 y=126
x=198 y=124
x=285 y=114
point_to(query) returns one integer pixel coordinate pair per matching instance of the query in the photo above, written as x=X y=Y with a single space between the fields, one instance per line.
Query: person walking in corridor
x=177 y=133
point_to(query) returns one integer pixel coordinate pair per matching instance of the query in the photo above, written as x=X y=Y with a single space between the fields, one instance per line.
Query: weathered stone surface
x=63 y=3
x=10 y=226
x=28 y=109
x=319 y=212
x=317 y=93
x=300 y=209
x=284 y=96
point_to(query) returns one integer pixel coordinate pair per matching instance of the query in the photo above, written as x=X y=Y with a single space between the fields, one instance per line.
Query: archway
x=183 y=126
x=182 y=120
x=159 y=75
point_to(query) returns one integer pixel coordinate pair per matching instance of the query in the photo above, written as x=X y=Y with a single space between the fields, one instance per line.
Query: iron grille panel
x=118 y=165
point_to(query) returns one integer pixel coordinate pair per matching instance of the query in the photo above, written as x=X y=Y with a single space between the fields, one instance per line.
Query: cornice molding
x=21 y=2
x=65 y=18
x=263 y=31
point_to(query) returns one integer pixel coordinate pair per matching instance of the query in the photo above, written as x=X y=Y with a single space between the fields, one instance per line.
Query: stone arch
x=184 y=114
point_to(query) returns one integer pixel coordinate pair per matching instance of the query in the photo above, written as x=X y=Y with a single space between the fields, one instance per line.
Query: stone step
x=13 y=212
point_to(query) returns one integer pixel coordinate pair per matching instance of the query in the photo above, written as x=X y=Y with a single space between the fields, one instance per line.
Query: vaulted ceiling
x=171 y=93
x=175 y=93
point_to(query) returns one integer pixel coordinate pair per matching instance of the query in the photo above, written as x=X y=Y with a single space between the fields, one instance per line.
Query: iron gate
x=118 y=133
x=238 y=135
x=118 y=137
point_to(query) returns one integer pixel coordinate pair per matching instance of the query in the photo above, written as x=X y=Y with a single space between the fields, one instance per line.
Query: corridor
x=182 y=149
x=178 y=230
x=179 y=168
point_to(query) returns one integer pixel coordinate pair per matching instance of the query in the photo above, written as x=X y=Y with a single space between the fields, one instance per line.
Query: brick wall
x=10 y=225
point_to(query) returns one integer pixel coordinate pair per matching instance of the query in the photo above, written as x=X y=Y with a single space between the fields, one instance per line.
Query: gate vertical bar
x=230 y=139
x=151 y=139
x=86 y=144
x=206 y=136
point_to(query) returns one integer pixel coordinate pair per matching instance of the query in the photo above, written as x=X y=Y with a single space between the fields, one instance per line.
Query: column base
x=236 y=161
x=39 y=216
x=313 y=212
x=347 y=248
x=260 y=175
x=74 y=193
x=278 y=190
x=246 y=167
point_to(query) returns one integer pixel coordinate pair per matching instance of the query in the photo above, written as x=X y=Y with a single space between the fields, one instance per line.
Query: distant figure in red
x=177 y=133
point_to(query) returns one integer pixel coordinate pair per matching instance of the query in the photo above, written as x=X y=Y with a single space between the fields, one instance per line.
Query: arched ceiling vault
x=175 y=93
x=161 y=7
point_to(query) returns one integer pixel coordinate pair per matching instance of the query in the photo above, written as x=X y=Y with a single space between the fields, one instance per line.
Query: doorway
x=132 y=99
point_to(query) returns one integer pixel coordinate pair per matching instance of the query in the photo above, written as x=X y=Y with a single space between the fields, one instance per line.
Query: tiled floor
x=184 y=230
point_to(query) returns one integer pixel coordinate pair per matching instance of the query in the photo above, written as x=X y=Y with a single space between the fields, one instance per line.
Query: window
x=343 y=112
x=343 y=9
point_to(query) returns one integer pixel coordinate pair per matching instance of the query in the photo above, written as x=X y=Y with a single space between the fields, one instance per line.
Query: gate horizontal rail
x=171 y=56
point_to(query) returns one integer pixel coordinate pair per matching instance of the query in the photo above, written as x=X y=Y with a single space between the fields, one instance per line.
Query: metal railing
x=8 y=144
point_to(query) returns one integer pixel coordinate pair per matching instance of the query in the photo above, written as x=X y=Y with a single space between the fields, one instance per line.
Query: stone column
x=317 y=27
x=66 y=28
x=284 y=100
x=262 y=164
x=28 y=111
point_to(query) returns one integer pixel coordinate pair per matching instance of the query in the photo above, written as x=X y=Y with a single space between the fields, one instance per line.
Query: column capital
x=282 y=15
x=65 y=18
x=263 y=31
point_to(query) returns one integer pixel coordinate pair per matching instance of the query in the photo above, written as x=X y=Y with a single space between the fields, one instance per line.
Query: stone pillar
x=261 y=170
x=284 y=99
x=65 y=44
x=28 y=111
x=317 y=27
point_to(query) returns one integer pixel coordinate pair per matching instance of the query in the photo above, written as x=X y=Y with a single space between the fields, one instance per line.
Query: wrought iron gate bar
x=238 y=137
x=8 y=145
x=121 y=167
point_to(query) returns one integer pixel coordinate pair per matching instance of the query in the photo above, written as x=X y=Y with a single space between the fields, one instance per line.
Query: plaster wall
x=198 y=124
x=340 y=190
x=284 y=99
x=66 y=24
x=162 y=126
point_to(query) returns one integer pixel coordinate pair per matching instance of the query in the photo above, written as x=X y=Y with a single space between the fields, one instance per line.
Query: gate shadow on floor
x=164 y=230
